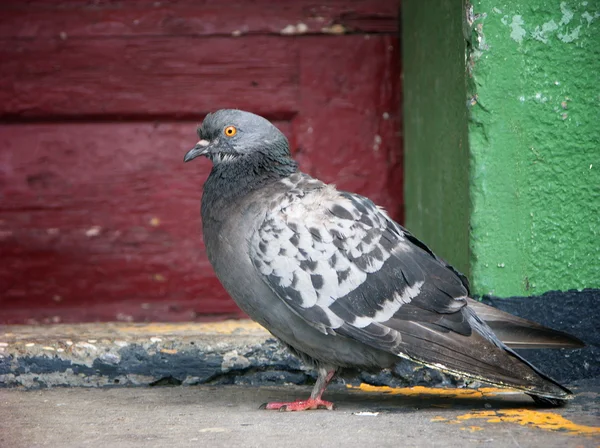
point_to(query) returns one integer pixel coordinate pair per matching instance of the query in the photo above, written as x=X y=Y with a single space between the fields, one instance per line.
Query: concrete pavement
x=228 y=416
x=221 y=372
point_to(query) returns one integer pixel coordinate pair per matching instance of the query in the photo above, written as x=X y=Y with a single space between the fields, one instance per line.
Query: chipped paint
x=291 y=30
x=111 y=354
x=93 y=231
x=542 y=33
x=561 y=30
x=589 y=17
x=567 y=14
x=518 y=32
x=434 y=391
x=543 y=420
x=570 y=37
x=169 y=351
x=232 y=360
x=334 y=29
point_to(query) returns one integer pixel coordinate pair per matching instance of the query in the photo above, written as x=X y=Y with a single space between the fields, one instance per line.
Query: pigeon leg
x=314 y=402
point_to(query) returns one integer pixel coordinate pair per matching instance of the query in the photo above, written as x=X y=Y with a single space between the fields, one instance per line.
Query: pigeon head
x=228 y=135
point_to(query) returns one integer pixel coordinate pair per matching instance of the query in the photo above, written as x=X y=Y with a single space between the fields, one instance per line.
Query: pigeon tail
x=480 y=356
x=516 y=332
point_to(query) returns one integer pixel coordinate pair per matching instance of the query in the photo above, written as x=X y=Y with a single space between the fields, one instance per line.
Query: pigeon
x=341 y=284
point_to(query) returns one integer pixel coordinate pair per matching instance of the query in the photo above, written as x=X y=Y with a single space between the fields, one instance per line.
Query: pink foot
x=299 y=405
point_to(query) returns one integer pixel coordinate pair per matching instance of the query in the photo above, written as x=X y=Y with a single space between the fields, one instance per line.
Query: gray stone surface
x=113 y=355
x=137 y=355
x=242 y=353
x=228 y=416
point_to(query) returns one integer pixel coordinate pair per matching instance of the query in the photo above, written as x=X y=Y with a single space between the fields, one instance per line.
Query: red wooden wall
x=99 y=101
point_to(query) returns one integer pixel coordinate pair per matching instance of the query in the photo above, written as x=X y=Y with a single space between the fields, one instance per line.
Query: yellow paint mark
x=334 y=29
x=155 y=222
x=543 y=420
x=471 y=428
x=439 y=419
x=168 y=351
x=127 y=332
x=525 y=417
x=225 y=327
x=434 y=391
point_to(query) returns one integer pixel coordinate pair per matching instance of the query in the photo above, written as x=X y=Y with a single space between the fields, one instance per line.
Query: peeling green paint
x=517 y=31
x=534 y=136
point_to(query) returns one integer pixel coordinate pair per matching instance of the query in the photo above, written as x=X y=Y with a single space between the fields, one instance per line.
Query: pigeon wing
x=345 y=267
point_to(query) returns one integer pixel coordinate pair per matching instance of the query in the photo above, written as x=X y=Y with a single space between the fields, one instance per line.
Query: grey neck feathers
x=231 y=180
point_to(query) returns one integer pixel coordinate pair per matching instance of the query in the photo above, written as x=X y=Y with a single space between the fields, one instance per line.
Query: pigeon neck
x=232 y=180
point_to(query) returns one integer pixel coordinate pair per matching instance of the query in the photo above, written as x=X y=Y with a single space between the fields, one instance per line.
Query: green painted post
x=532 y=165
x=435 y=122
x=535 y=146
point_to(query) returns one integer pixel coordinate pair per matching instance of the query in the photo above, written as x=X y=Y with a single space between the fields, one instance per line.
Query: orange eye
x=230 y=131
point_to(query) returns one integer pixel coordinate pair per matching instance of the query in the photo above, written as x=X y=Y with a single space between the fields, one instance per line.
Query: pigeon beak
x=201 y=149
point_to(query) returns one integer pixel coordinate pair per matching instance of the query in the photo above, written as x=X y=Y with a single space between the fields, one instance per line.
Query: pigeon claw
x=299 y=405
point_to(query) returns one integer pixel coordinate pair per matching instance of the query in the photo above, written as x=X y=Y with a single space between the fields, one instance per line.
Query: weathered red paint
x=148 y=77
x=85 y=18
x=99 y=217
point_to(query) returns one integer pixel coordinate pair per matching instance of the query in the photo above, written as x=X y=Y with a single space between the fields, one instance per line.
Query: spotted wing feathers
x=341 y=263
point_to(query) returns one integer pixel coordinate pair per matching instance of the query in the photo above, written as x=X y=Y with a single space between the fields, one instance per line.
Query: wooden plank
x=97 y=215
x=145 y=77
x=169 y=310
x=81 y=18
x=101 y=220
x=347 y=127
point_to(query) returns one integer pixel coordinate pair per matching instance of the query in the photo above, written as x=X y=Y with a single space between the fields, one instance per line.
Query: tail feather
x=516 y=332
x=546 y=390
x=479 y=355
x=545 y=400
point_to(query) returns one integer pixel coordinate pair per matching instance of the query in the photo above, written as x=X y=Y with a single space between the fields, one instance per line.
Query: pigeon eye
x=230 y=131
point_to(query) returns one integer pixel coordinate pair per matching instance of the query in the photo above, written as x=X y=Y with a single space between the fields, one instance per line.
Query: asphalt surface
x=225 y=416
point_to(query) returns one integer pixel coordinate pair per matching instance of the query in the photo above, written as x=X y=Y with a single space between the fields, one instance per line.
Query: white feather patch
x=304 y=286
x=390 y=307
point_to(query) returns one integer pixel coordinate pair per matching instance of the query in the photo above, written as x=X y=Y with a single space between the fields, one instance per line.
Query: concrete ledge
x=243 y=353
x=119 y=354
x=138 y=354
